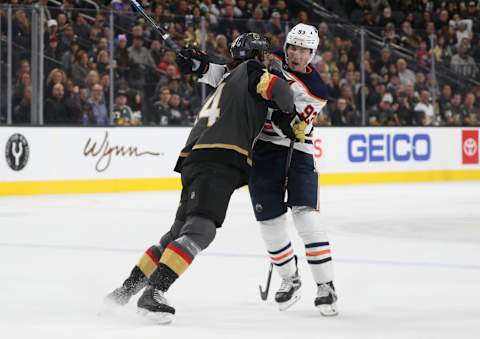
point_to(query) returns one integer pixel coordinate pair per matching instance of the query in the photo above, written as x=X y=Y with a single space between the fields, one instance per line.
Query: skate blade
x=287 y=304
x=162 y=318
x=328 y=310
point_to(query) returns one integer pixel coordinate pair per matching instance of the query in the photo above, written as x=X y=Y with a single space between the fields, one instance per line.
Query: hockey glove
x=290 y=125
x=192 y=60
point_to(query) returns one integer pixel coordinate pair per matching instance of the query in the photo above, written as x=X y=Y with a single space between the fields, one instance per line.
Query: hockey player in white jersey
x=269 y=158
x=266 y=184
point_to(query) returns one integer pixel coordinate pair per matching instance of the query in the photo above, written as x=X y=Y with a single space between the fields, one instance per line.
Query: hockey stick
x=165 y=36
x=264 y=293
x=287 y=167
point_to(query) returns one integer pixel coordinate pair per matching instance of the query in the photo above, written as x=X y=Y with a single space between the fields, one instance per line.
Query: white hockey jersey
x=310 y=95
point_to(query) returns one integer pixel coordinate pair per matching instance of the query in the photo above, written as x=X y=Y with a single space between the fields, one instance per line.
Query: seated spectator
x=55 y=109
x=161 y=108
x=99 y=107
x=176 y=117
x=56 y=76
x=343 y=114
x=122 y=113
x=424 y=110
x=471 y=113
x=383 y=114
x=463 y=64
x=407 y=77
x=404 y=110
x=256 y=23
x=453 y=112
x=23 y=81
x=21 y=112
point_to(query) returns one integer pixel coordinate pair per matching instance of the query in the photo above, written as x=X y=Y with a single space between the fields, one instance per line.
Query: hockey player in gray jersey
x=215 y=161
x=265 y=184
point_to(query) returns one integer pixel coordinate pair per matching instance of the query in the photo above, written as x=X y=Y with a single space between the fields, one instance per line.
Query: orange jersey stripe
x=280 y=257
x=314 y=254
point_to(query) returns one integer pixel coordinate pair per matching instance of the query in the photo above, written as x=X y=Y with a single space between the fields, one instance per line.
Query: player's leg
x=267 y=196
x=303 y=197
x=209 y=189
x=148 y=263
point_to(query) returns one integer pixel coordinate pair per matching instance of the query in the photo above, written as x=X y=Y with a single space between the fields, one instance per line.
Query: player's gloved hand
x=290 y=125
x=193 y=60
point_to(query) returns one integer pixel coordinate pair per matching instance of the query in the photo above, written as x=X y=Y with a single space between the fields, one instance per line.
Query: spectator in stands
x=21 y=112
x=256 y=23
x=275 y=26
x=383 y=64
x=161 y=108
x=176 y=116
x=99 y=107
x=80 y=67
x=386 y=18
x=407 y=77
x=227 y=22
x=53 y=55
x=463 y=64
x=424 y=110
x=122 y=113
x=343 y=114
x=420 y=82
x=453 y=114
x=56 y=76
x=55 y=110
x=471 y=113
x=24 y=80
x=121 y=57
x=444 y=99
x=404 y=110
x=141 y=64
x=92 y=79
x=408 y=38
x=84 y=112
x=103 y=62
x=383 y=114
x=442 y=52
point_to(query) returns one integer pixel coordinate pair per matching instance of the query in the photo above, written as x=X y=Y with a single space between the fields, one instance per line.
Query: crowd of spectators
x=150 y=90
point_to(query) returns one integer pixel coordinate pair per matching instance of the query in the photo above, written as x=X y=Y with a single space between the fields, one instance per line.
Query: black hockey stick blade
x=264 y=293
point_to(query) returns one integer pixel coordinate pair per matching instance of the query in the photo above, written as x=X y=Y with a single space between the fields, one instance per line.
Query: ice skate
x=289 y=292
x=154 y=306
x=132 y=285
x=326 y=300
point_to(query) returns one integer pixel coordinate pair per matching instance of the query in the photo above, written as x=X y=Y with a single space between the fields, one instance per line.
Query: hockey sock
x=175 y=260
x=277 y=242
x=149 y=261
x=317 y=246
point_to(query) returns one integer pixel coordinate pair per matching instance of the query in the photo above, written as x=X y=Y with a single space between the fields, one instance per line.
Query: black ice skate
x=288 y=293
x=134 y=284
x=326 y=300
x=153 y=305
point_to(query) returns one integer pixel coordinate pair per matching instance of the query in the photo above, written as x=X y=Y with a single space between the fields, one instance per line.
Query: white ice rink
x=407 y=264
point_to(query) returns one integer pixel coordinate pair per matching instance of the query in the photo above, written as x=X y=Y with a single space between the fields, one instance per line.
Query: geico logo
x=389 y=147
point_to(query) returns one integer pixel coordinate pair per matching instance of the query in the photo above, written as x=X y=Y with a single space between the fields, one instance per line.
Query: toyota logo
x=470 y=147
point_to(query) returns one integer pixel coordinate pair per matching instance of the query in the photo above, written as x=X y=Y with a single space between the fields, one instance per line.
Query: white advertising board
x=105 y=157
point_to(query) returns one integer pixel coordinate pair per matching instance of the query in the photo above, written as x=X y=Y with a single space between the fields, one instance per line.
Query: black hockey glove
x=192 y=60
x=290 y=125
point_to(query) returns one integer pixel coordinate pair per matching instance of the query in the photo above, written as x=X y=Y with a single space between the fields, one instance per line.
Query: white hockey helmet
x=302 y=35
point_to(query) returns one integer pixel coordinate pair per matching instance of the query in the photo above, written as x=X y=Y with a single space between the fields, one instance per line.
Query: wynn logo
x=104 y=152
x=17 y=152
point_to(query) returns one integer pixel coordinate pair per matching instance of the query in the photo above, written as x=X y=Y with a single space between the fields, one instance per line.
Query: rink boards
x=46 y=160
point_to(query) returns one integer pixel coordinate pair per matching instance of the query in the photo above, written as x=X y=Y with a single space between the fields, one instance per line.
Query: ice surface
x=407 y=264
